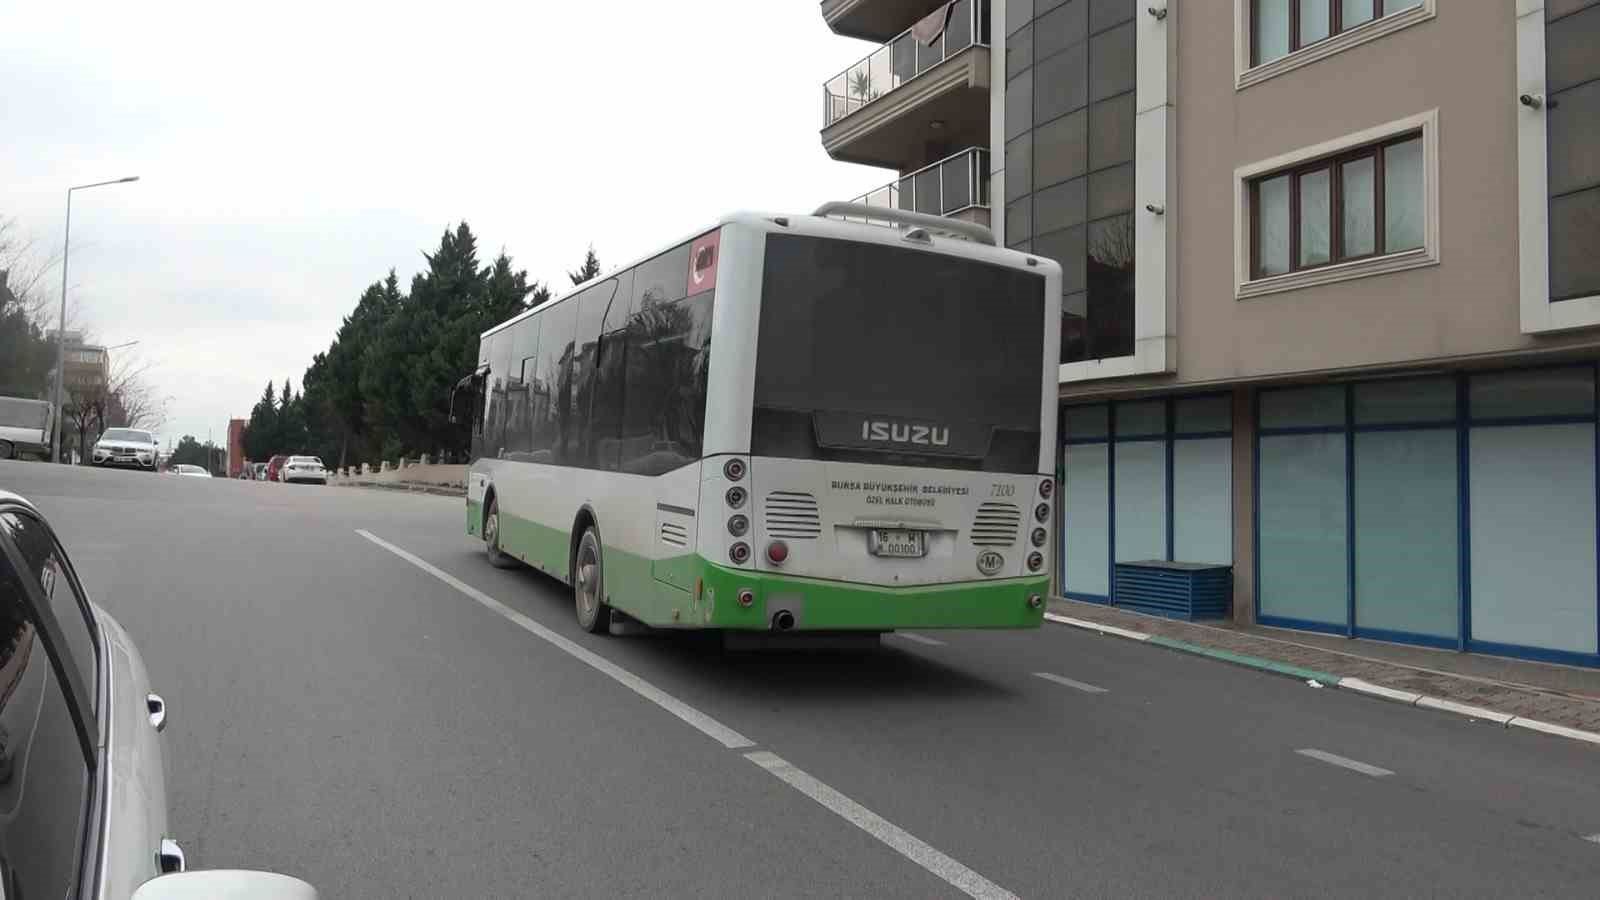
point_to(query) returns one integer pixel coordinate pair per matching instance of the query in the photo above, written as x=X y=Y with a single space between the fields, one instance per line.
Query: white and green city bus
x=781 y=423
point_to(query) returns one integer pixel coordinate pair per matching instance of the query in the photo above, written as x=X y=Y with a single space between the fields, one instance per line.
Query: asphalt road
x=345 y=714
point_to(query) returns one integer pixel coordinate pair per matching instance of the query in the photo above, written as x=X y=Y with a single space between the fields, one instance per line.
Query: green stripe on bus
x=640 y=587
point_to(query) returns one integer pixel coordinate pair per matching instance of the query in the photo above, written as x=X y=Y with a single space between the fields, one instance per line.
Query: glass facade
x=1454 y=511
x=1143 y=480
x=1069 y=160
x=1572 y=83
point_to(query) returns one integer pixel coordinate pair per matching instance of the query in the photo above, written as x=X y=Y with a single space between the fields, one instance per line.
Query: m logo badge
x=990 y=562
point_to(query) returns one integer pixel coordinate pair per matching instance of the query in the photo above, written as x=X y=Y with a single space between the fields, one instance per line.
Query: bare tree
x=26 y=265
x=126 y=400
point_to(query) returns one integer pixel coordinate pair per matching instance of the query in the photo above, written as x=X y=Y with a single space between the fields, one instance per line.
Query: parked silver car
x=83 y=800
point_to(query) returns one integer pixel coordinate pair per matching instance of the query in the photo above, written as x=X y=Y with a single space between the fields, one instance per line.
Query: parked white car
x=303 y=469
x=191 y=471
x=126 y=447
x=83 y=792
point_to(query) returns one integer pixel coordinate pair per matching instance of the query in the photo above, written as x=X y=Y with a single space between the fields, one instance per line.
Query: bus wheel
x=491 y=539
x=588 y=585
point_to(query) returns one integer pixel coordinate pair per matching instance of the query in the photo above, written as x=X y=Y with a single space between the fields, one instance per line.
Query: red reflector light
x=777 y=552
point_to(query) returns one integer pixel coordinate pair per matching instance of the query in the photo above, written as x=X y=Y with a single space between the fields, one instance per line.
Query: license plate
x=897 y=542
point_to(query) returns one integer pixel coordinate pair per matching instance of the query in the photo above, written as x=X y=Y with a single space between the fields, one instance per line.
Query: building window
x=1361 y=203
x=1572 y=82
x=1144 y=479
x=1070 y=122
x=1358 y=205
x=1281 y=27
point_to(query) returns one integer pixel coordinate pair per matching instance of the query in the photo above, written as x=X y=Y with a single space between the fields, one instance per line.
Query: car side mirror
x=236 y=883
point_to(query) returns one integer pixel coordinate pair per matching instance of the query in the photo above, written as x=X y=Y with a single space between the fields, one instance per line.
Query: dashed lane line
x=959 y=876
x=701 y=722
x=897 y=838
x=1076 y=685
x=1345 y=762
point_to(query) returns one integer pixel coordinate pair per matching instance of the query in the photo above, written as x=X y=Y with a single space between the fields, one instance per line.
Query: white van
x=24 y=427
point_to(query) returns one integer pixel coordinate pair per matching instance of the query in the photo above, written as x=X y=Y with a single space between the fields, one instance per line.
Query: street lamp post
x=61 y=330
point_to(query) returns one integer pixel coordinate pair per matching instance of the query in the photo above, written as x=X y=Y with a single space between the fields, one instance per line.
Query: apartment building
x=1332 y=310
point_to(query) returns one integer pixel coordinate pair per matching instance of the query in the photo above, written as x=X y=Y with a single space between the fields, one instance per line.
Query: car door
x=48 y=729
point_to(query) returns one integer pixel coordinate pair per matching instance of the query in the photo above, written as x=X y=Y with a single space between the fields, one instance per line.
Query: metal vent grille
x=674 y=534
x=996 y=525
x=791 y=514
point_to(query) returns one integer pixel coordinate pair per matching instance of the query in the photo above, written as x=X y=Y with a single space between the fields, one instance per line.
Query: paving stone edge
x=1328 y=679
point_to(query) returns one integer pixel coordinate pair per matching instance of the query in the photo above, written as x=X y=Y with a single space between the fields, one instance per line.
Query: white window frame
x=1539 y=315
x=1426 y=255
x=1247 y=75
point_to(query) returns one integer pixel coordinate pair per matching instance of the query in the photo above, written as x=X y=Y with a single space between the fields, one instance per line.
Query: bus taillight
x=777 y=552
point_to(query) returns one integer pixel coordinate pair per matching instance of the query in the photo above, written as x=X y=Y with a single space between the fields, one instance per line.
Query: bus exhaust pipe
x=782 y=620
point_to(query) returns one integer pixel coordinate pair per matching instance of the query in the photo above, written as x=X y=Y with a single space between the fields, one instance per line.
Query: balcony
x=956 y=187
x=874 y=20
x=906 y=99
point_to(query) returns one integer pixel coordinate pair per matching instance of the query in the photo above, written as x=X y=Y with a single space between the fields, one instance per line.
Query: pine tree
x=590 y=268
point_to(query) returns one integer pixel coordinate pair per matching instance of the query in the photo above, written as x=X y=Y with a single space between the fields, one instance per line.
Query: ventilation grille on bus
x=996 y=525
x=790 y=514
x=674 y=534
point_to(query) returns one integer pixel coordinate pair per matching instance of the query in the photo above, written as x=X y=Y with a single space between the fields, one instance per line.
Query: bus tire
x=588 y=584
x=491 y=538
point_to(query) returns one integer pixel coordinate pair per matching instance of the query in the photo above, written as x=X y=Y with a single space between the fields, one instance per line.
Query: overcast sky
x=292 y=154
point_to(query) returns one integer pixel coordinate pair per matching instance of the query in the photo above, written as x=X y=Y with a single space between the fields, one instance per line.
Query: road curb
x=404 y=487
x=1328 y=679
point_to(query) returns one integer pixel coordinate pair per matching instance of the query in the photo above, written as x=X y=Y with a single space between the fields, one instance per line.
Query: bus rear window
x=885 y=354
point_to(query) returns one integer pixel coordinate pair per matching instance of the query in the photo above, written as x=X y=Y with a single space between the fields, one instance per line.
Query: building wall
x=235 y=447
x=1460 y=63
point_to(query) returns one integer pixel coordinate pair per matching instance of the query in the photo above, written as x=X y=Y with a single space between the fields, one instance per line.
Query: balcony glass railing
x=903 y=59
x=947 y=187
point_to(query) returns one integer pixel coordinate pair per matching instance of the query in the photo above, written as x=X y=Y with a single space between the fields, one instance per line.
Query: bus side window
x=605 y=414
x=669 y=352
x=592 y=306
x=496 y=394
x=554 y=399
x=519 y=435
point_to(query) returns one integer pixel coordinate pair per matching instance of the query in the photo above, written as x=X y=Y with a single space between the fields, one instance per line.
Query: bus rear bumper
x=819 y=605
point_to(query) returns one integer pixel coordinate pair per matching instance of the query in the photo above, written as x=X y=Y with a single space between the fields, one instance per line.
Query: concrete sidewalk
x=1560 y=695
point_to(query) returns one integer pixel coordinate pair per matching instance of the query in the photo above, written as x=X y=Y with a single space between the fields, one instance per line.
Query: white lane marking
x=917 y=638
x=912 y=848
x=1353 y=765
x=1058 y=679
x=1096 y=626
x=704 y=723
